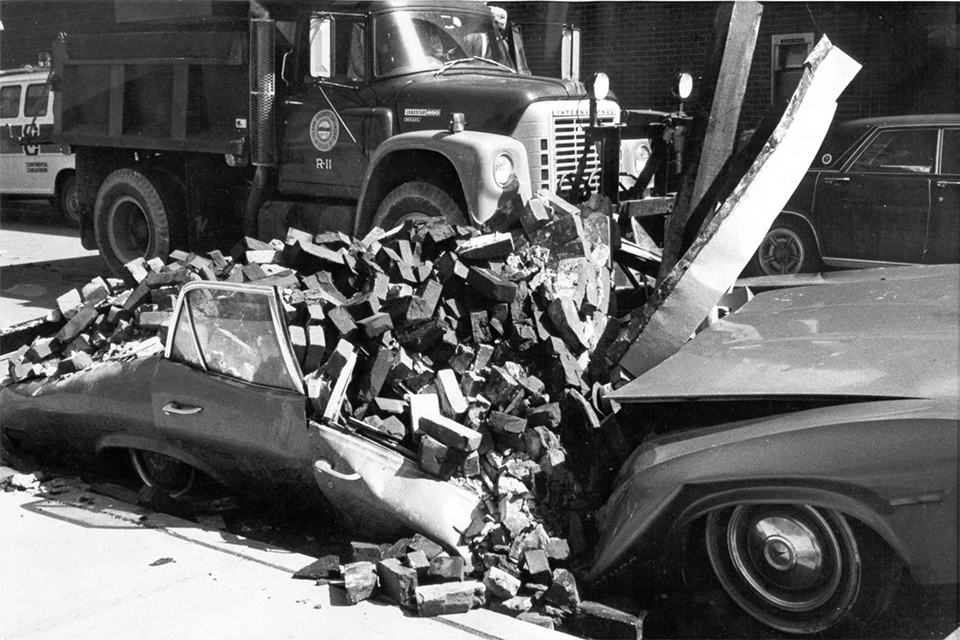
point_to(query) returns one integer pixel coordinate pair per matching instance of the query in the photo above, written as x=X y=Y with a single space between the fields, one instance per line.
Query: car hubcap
x=131 y=234
x=782 y=252
x=788 y=566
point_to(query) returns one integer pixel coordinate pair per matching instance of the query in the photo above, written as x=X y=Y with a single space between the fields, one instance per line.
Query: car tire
x=417 y=201
x=135 y=216
x=66 y=202
x=162 y=472
x=788 y=248
x=799 y=569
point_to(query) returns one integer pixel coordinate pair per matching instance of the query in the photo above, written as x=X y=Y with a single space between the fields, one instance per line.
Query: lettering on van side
x=37 y=167
x=324 y=164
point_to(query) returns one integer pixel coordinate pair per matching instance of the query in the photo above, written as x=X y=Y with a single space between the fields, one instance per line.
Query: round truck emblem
x=324 y=130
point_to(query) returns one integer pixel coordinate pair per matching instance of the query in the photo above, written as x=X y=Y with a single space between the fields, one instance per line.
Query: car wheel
x=163 y=472
x=134 y=217
x=789 y=247
x=67 y=201
x=417 y=201
x=797 y=568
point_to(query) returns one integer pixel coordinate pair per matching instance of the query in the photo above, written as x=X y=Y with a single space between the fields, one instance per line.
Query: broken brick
x=359 y=580
x=449 y=432
x=501 y=584
x=398 y=582
x=448 y=598
x=446 y=568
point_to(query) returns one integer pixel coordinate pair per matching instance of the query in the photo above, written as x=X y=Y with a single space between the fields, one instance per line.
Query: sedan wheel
x=792 y=567
x=789 y=247
x=163 y=472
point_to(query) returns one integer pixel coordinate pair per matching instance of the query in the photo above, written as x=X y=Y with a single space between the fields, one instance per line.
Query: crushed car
x=804 y=450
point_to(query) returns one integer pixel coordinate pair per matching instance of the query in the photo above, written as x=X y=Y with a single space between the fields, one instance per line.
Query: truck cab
x=323 y=116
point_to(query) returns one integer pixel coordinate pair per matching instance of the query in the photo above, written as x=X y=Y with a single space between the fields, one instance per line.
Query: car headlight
x=640 y=158
x=503 y=170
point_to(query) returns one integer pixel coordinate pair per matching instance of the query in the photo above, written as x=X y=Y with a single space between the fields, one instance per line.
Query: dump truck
x=241 y=120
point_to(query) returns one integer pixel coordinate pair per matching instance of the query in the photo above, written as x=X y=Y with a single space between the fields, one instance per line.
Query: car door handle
x=947 y=183
x=836 y=180
x=180 y=410
x=323 y=466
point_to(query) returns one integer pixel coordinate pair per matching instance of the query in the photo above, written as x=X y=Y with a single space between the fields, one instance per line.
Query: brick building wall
x=909 y=51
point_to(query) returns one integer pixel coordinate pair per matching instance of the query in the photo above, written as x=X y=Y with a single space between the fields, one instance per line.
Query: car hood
x=843 y=339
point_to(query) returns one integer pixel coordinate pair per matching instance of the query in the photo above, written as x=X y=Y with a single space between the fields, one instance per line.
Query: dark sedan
x=882 y=191
x=840 y=469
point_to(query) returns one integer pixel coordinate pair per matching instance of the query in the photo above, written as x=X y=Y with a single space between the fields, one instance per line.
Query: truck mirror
x=570 y=54
x=321 y=51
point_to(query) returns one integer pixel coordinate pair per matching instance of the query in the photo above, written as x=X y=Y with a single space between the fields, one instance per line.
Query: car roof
x=879 y=333
x=904 y=120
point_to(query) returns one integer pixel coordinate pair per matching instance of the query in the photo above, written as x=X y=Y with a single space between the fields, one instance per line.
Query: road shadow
x=29 y=291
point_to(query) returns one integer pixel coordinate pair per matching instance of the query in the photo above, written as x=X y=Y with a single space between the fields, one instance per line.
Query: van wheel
x=66 y=202
x=163 y=472
x=417 y=201
x=134 y=216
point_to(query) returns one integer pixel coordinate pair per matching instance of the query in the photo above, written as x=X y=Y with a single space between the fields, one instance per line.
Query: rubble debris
x=459 y=347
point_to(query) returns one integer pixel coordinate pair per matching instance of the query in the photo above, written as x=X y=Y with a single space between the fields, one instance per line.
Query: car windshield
x=414 y=41
x=231 y=333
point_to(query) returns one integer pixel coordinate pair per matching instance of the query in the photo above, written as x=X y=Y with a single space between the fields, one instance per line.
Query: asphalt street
x=40 y=259
x=76 y=564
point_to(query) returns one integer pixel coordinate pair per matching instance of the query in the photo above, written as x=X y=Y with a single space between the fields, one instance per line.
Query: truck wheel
x=133 y=217
x=67 y=201
x=417 y=201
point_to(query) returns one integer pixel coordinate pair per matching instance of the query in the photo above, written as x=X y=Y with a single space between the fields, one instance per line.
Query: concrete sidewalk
x=81 y=565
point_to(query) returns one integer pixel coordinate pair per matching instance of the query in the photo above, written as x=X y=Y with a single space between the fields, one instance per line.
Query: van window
x=10 y=101
x=36 y=101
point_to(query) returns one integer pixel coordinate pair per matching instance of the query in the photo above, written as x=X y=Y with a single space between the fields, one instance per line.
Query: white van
x=40 y=170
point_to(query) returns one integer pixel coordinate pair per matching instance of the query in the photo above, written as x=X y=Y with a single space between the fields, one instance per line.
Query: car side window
x=35 y=103
x=231 y=333
x=10 y=102
x=950 y=161
x=903 y=151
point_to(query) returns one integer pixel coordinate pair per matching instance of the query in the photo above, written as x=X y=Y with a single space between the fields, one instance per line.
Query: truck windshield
x=414 y=41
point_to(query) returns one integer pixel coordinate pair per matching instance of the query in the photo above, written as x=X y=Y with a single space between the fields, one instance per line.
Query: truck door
x=331 y=122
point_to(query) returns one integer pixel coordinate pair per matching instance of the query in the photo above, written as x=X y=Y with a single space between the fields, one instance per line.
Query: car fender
x=804 y=219
x=470 y=153
x=904 y=487
x=128 y=441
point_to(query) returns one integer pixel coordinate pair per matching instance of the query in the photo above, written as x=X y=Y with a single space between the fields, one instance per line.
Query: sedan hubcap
x=792 y=567
x=782 y=252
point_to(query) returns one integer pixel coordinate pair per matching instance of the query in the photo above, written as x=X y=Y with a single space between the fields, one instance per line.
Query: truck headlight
x=640 y=158
x=503 y=170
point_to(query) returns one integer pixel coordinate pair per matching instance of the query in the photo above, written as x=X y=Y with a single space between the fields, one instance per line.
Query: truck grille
x=568 y=140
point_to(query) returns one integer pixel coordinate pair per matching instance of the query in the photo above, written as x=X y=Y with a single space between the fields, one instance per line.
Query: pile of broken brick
x=482 y=336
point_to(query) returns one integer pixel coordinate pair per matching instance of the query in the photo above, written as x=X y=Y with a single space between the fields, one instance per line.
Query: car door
x=229 y=390
x=876 y=209
x=943 y=237
x=331 y=122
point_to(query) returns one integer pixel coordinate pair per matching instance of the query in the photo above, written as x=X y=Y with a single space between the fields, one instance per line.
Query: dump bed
x=168 y=90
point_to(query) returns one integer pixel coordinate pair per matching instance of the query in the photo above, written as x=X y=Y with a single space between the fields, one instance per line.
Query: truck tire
x=134 y=217
x=417 y=201
x=66 y=201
